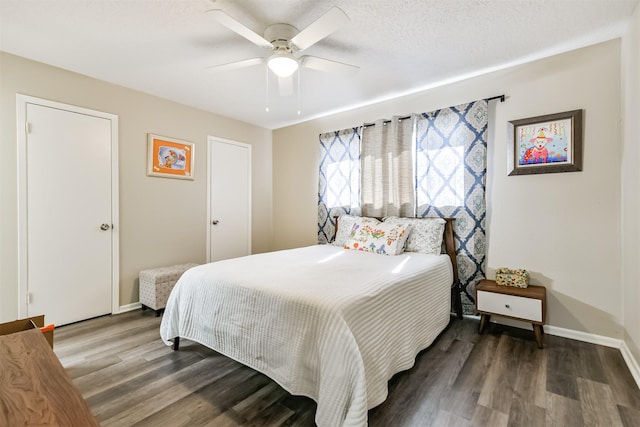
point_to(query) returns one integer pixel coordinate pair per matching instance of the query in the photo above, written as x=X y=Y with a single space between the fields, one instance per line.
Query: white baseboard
x=129 y=307
x=632 y=363
x=583 y=336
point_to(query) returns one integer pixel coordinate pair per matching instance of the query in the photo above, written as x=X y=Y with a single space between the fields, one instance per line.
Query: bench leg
x=158 y=312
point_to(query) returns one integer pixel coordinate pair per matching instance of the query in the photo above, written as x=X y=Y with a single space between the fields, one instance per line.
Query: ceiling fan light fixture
x=283 y=63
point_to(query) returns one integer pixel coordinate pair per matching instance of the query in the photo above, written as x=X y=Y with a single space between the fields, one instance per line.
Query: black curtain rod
x=500 y=97
x=366 y=125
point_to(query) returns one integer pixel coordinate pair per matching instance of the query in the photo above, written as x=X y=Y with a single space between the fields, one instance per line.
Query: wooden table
x=35 y=390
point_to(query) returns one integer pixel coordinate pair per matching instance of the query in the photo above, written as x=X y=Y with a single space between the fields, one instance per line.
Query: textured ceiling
x=163 y=47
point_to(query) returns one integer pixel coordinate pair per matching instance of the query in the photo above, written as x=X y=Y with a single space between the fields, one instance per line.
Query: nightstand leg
x=537 y=331
x=484 y=319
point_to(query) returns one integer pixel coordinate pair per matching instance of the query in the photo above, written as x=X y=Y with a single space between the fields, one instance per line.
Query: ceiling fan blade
x=321 y=64
x=285 y=86
x=321 y=28
x=238 y=64
x=239 y=28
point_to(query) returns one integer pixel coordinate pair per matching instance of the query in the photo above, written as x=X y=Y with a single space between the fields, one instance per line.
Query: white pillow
x=426 y=234
x=386 y=239
x=345 y=224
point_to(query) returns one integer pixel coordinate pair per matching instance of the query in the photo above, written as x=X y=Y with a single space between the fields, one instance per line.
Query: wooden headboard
x=450 y=249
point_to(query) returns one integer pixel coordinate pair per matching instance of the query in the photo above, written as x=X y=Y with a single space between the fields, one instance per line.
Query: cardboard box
x=26 y=324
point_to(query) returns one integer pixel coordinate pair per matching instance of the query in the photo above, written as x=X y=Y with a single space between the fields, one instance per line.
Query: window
x=447 y=162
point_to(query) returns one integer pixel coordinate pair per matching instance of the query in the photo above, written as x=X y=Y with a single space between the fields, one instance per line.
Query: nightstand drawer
x=510 y=305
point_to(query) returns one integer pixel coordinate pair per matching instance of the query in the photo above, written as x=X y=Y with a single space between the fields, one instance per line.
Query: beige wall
x=631 y=187
x=147 y=212
x=564 y=228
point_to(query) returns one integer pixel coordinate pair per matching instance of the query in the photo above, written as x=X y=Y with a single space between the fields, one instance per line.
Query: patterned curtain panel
x=339 y=179
x=388 y=174
x=451 y=168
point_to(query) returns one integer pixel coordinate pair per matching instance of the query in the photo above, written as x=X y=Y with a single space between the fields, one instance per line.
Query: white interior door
x=69 y=214
x=229 y=219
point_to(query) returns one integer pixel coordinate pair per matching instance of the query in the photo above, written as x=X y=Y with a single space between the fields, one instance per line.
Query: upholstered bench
x=156 y=285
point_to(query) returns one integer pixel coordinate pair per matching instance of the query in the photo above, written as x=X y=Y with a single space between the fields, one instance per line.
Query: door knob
x=105 y=227
x=215 y=222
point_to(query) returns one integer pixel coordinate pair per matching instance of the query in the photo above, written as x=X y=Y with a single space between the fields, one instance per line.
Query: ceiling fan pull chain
x=266 y=74
x=299 y=95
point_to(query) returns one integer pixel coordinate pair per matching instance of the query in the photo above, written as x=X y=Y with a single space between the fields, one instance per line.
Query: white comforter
x=324 y=322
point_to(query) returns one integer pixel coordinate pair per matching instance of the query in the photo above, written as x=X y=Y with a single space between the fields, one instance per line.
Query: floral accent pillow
x=426 y=234
x=345 y=224
x=386 y=239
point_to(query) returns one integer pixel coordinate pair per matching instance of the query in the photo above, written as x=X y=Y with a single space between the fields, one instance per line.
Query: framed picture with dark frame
x=545 y=144
x=170 y=157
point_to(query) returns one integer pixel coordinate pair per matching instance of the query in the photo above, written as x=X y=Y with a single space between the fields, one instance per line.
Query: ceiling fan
x=284 y=41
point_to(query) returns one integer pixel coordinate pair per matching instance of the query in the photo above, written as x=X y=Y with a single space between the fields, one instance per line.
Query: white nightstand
x=525 y=304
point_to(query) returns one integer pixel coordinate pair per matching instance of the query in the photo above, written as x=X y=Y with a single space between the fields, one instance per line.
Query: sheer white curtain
x=388 y=170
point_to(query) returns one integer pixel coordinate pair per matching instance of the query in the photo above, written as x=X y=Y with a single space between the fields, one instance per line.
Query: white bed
x=324 y=322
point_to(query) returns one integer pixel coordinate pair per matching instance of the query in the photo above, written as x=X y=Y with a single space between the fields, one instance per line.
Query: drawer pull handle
x=507 y=306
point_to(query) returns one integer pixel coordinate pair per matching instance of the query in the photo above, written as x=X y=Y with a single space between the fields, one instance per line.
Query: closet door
x=69 y=224
x=229 y=223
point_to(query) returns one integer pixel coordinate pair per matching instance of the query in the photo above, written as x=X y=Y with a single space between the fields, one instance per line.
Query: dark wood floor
x=129 y=377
